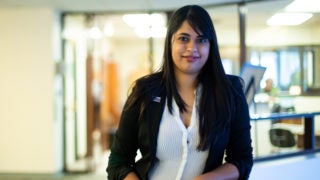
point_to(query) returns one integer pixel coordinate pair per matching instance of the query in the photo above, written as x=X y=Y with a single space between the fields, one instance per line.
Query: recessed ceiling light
x=147 y=25
x=288 y=19
x=310 y=6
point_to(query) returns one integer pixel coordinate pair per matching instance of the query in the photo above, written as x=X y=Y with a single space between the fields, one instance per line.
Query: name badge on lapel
x=156 y=99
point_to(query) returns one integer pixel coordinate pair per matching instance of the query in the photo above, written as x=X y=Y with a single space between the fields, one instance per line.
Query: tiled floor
x=98 y=174
x=53 y=177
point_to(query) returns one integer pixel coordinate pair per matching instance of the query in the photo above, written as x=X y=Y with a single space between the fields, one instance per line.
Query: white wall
x=28 y=137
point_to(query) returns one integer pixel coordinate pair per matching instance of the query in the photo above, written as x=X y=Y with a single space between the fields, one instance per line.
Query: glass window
x=255 y=58
x=289 y=69
x=311 y=68
x=308 y=64
x=227 y=65
x=268 y=59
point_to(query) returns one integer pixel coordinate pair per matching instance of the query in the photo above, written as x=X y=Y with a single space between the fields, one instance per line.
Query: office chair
x=282 y=138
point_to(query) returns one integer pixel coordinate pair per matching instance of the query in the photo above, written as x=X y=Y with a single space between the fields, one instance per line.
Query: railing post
x=309 y=136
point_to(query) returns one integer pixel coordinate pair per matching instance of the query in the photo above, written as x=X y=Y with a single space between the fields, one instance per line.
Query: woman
x=184 y=117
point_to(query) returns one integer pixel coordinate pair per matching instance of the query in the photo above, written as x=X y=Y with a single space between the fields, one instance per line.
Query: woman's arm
x=124 y=147
x=227 y=171
x=239 y=148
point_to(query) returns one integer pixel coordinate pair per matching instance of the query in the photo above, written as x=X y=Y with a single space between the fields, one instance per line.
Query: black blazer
x=133 y=134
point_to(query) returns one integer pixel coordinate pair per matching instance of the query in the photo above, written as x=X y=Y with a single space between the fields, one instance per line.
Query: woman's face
x=190 y=50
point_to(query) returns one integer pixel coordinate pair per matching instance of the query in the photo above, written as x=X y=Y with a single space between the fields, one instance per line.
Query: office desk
x=300 y=139
x=309 y=137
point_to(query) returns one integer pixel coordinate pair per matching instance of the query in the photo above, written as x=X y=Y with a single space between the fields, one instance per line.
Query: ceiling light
x=145 y=20
x=304 y=6
x=147 y=25
x=95 y=33
x=108 y=29
x=147 y=32
x=136 y=20
x=288 y=19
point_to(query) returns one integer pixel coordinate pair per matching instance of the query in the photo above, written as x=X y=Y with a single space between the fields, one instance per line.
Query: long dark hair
x=215 y=103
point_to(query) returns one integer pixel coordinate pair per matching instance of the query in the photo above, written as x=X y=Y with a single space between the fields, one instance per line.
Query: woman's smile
x=191 y=58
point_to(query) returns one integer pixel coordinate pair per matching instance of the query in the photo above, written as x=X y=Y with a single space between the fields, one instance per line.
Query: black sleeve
x=239 y=150
x=124 y=147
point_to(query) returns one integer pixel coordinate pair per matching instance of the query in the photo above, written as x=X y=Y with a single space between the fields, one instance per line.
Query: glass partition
x=103 y=55
x=290 y=53
x=282 y=135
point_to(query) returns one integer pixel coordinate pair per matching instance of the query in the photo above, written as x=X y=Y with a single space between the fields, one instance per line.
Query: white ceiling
x=225 y=17
x=113 y=5
x=257 y=9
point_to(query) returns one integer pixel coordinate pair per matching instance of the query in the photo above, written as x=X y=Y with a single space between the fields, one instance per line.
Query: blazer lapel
x=154 y=114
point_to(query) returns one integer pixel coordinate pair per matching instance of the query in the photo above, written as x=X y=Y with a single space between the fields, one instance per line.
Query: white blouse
x=177 y=151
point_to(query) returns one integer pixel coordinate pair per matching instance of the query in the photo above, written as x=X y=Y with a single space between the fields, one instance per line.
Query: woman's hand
x=208 y=176
x=225 y=172
x=131 y=176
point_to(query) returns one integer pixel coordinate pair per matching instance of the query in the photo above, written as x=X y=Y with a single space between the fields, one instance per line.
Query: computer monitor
x=252 y=75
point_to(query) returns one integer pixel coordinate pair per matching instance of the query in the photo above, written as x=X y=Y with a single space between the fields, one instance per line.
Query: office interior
x=66 y=70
